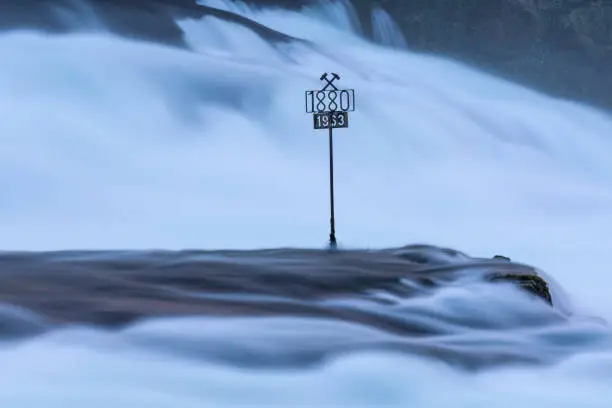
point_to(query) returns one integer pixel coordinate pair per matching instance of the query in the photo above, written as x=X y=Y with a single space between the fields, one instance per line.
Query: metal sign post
x=329 y=107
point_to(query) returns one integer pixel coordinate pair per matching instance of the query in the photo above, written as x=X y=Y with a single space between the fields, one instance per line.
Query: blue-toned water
x=115 y=143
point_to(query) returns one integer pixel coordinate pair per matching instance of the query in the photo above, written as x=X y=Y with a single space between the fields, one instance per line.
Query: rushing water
x=112 y=143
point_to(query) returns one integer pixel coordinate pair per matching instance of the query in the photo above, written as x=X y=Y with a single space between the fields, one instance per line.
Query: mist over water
x=113 y=143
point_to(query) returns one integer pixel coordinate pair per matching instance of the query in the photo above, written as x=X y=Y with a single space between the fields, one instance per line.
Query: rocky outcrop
x=149 y=20
x=97 y=288
x=562 y=47
x=530 y=282
x=362 y=289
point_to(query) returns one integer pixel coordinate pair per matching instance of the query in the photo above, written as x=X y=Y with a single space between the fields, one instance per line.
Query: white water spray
x=110 y=143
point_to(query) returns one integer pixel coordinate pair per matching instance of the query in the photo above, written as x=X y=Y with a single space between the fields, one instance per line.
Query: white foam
x=59 y=372
x=108 y=143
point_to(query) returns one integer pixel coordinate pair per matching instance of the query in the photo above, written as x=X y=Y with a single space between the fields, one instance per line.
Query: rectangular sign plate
x=338 y=120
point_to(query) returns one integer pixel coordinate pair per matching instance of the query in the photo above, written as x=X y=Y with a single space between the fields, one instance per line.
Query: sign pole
x=330 y=107
x=332 y=234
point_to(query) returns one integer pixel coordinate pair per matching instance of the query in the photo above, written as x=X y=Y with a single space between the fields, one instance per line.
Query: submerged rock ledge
x=112 y=289
x=409 y=300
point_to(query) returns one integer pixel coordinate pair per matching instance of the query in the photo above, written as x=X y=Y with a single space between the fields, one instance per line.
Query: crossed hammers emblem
x=329 y=82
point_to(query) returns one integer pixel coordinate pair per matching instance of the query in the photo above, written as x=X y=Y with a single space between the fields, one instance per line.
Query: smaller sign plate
x=338 y=120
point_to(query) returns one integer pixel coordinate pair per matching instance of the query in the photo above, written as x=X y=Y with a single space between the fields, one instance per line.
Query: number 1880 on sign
x=338 y=120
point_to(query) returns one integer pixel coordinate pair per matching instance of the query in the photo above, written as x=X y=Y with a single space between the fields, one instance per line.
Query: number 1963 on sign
x=338 y=120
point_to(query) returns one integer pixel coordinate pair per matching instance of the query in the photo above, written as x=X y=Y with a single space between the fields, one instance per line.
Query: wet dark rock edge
x=113 y=290
x=562 y=48
x=146 y=20
x=116 y=290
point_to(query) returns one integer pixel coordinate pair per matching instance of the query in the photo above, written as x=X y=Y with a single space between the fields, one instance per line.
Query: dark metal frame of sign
x=330 y=107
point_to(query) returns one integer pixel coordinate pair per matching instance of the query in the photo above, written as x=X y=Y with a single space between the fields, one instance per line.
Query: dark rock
x=115 y=291
x=533 y=284
x=97 y=288
x=502 y=258
x=530 y=281
x=562 y=47
x=149 y=20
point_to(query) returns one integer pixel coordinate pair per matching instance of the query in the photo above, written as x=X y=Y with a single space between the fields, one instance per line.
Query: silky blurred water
x=110 y=143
